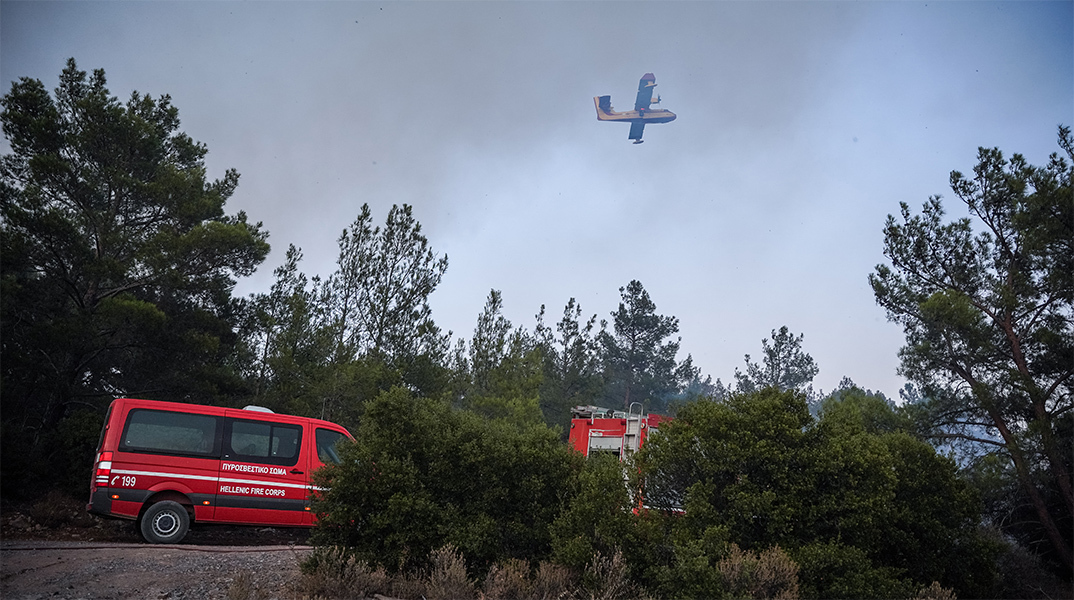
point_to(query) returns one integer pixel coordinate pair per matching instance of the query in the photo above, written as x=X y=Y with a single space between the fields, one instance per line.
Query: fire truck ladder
x=632 y=433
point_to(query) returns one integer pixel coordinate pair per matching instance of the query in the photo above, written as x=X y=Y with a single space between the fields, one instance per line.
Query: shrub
x=772 y=574
x=1022 y=574
x=508 y=581
x=447 y=578
x=333 y=572
x=552 y=582
x=606 y=578
x=244 y=588
x=408 y=585
x=935 y=592
x=865 y=509
x=834 y=570
x=422 y=475
x=597 y=516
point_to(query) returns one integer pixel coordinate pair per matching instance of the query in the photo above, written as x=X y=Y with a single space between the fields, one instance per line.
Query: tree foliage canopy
x=639 y=358
x=572 y=364
x=379 y=295
x=117 y=257
x=324 y=347
x=784 y=366
x=989 y=320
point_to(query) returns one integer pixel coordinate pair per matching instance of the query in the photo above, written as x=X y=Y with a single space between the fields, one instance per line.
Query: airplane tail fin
x=604 y=107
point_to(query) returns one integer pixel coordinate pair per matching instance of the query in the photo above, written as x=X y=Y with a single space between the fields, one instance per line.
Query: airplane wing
x=636 y=128
x=645 y=92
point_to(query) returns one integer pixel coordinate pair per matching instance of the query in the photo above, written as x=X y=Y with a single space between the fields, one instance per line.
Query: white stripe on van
x=205 y=478
x=175 y=475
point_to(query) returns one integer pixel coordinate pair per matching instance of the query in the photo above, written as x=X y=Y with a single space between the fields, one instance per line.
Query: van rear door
x=263 y=471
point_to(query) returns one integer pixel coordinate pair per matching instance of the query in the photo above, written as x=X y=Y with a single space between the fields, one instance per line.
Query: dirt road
x=33 y=570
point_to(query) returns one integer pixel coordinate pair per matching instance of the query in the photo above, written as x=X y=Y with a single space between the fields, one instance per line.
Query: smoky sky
x=800 y=127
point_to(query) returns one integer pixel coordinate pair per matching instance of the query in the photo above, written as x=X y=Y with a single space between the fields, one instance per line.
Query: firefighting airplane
x=642 y=115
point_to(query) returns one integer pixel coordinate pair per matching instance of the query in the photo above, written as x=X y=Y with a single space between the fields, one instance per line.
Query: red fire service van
x=167 y=464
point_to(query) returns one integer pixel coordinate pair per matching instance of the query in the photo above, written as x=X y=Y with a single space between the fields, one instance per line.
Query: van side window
x=262 y=442
x=326 y=446
x=167 y=432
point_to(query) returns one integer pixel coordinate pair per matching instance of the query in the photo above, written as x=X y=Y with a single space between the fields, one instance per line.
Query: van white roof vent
x=256 y=408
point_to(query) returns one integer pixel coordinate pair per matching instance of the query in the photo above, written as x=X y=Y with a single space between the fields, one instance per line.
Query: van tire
x=165 y=522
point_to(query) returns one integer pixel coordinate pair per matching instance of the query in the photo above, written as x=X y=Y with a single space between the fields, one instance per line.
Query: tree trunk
x=1061 y=546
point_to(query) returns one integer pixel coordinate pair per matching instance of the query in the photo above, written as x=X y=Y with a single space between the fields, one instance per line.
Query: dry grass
x=772 y=574
x=333 y=573
x=552 y=582
x=244 y=588
x=606 y=578
x=935 y=592
x=408 y=586
x=447 y=578
x=508 y=581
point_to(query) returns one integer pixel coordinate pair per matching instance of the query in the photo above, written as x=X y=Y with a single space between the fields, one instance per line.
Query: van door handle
x=297 y=472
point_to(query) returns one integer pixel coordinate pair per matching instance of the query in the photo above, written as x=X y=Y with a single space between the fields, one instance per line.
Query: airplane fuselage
x=652 y=115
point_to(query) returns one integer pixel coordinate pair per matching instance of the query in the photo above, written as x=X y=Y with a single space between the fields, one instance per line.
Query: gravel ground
x=33 y=570
x=67 y=554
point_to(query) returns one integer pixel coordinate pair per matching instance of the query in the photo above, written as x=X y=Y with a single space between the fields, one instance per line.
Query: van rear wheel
x=165 y=522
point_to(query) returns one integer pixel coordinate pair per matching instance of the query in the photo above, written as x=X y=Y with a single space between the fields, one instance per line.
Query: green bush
x=864 y=508
x=744 y=497
x=422 y=475
x=597 y=516
x=834 y=570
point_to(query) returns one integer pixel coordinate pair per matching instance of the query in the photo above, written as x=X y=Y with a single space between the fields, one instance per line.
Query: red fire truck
x=597 y=429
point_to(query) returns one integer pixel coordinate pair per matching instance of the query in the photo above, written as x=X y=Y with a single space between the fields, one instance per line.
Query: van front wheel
x=165 y=522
